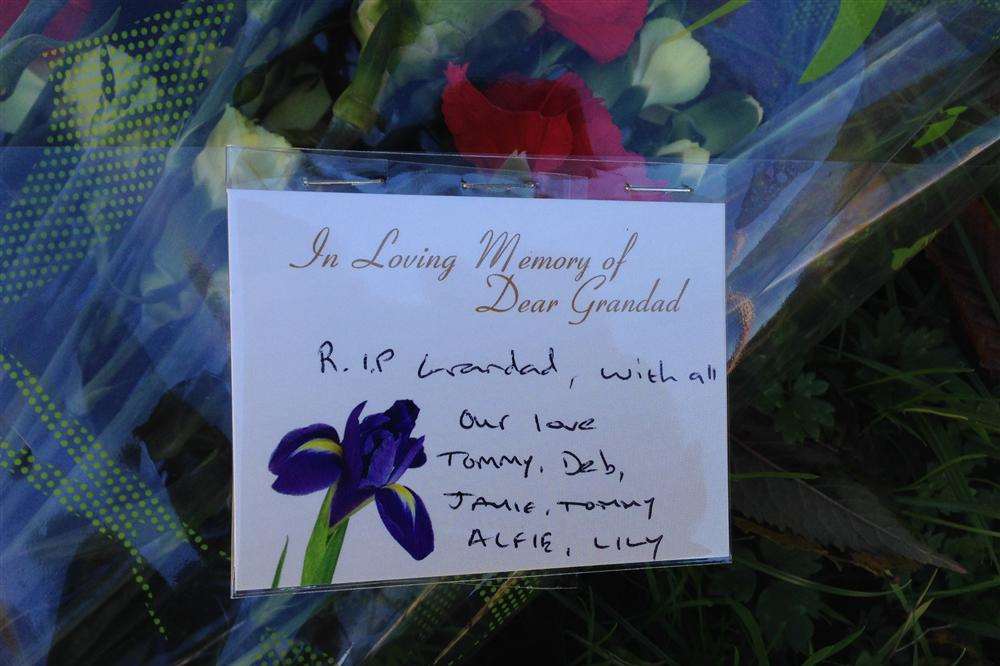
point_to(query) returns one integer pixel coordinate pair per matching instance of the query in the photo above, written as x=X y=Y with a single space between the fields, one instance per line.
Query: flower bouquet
x=848 y=132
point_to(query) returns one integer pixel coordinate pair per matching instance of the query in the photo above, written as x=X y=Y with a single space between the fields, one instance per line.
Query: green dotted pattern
x=98 y=167
x=277 y=650
x=112 y=499
x=502 y=598
x=436 y=611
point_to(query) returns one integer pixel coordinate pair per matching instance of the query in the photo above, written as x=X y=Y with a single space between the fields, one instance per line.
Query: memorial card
x=447 y=386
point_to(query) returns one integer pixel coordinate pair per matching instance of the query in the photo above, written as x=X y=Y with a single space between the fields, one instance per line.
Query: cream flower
x=271 y=169
x=672 y=66
x=691 y=154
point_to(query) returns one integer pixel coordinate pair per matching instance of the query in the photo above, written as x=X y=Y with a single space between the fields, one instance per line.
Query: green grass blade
x=977 y=269
x=281 y=565
x=948 y=523
x=805 y=582
x=967 y=589
x=953 y=506
x=821 y=655
x=944 y=467
x=753 y=629
x=890 y=645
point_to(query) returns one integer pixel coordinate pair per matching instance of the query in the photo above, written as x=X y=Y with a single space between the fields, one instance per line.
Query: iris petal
x=408 y=455
x=306 y=460
x=296 y=438
x=406 y=518
x=380 y=464
x=420 y=458
x=347 y=499
x=352 y=443
x=403 y=417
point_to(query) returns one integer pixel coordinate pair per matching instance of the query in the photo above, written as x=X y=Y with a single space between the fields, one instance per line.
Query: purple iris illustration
x=366 y=465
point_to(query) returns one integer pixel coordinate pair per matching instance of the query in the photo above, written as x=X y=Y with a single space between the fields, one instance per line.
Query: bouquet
x=848 y=131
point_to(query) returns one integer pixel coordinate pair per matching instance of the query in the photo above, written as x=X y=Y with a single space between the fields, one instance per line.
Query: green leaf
x=276 y=581
x=836 y=511
x=903 y=255
x=300 y=109
x=938 y=129
x=855 y=21
x=935 y=131
x=323 y=549
x=797 y=410
x=722 y=120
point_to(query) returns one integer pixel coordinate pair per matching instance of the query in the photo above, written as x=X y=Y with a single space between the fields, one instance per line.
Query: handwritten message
x=562 y=364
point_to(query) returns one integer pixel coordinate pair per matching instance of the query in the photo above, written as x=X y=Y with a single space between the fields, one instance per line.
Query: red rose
x=63 y=26
x=558 y=123
x=550 y=120
x=603 y=28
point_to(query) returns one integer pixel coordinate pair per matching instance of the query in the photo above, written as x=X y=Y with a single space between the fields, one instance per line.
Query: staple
x=505 y=187
x=685 y=189
x=309 y=182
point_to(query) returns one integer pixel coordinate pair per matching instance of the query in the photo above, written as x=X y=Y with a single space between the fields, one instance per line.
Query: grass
x=913 y=418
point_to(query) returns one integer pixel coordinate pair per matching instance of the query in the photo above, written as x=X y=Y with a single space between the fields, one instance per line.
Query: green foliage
x=786 y=611
x=323 y=549
x=939 y=128
x=796 y=405
x=720 y=121
x=911 y=460
x=855 y=21
x=276 y=582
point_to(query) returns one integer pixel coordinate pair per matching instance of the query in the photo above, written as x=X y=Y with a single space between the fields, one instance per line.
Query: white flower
x=672 y=66
x=271 y=168
x=691 y=154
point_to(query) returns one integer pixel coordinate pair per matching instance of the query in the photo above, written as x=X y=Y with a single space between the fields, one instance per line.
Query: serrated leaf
x=797 y=412
x=855 y=21
x=832 y=511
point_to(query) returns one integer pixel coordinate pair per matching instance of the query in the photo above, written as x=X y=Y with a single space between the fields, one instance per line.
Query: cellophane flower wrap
x=848 y=132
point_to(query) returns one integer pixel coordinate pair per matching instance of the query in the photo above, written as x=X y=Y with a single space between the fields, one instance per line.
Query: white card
x=580 y=424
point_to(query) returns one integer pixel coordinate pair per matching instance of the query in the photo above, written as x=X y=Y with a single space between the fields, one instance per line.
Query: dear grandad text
x=502 y=254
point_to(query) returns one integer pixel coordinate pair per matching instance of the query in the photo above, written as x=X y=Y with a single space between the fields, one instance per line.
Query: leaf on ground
x=832 y=511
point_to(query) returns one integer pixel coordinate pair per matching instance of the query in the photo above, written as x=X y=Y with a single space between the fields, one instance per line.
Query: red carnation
x=603 y=28
x=558 y=123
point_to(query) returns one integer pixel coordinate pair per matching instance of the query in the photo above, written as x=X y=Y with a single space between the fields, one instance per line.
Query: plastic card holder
x=449 y=368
